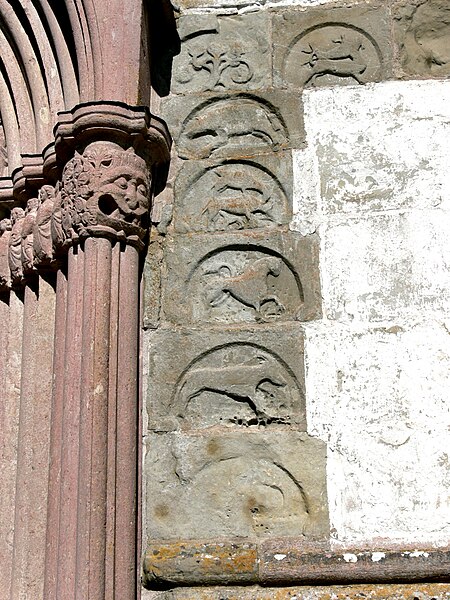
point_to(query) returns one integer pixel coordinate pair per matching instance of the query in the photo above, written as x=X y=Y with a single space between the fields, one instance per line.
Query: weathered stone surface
x=246 y=484
x=235 y=195
x=362 y=281
x=241 y=278
x=422 y=31
x=419 y=591
x=151 y=296
x=204 y=378
x=223 y=53
x=176 y=562
x=379 y=398
x=337 y=46
x=289 y=563
x=389 y=151
x=234 y=125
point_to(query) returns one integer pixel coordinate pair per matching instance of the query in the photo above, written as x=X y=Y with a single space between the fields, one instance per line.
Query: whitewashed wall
x=374 y=181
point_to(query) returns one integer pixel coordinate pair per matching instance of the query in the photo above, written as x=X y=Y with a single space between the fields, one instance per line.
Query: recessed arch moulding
x=54 y=55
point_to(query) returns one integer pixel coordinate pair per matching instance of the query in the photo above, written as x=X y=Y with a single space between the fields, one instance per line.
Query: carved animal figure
x=15 y=245
x=5 y=232
x=249 y=288
x=237 y=205
x=257 y=383
x=235 y=121
x=342 y=59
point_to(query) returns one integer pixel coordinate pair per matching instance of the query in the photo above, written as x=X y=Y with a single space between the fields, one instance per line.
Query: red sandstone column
x=101 y=214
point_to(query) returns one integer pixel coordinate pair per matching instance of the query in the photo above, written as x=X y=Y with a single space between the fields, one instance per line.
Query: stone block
x=204 y=378
x=223 y=53
x=234 y=125
x=207 y=562
x=390 y=150
x=245 y=484
x=236 y=278
x=422 y=36
x=413 y=591
x=151 y=296
x=387 y=267
x=234 y=195
x=343 y=46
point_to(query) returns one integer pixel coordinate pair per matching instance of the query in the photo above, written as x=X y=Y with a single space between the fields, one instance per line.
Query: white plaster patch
x=377 y=556
x=350 y=558
x=242 y=6
x=387 y=267
x=379 y=398
x=381 y=146
x=418 y=554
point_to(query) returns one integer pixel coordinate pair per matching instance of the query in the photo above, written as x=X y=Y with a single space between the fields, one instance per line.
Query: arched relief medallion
x=254 y=485
x=230 y=126
x=230 y=197
x=331 y=53
x=253 y=276
x=239 y=384
x=244 y=284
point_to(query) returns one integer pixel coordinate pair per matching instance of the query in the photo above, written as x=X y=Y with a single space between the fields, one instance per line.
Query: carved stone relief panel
x=241 y=278
x=222 y=53
x=42 y=235
x=234 y=125
x=5 y=233
x=228 y=484
x=3 y=152
x=204 y=378
x=27 y=234
x=422 y=31
x=233 y=195
x=15 y=245
x=343 y=46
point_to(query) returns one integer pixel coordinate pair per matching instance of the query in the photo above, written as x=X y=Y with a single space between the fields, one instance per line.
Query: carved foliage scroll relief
x=222 y=53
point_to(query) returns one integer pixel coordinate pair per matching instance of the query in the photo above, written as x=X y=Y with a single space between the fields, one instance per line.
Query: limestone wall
x=299 y=321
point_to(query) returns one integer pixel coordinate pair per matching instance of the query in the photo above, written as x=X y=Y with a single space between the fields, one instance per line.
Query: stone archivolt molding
x=104 y=189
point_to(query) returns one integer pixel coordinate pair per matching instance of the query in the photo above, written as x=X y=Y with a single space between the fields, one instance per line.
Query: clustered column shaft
x=89 y=228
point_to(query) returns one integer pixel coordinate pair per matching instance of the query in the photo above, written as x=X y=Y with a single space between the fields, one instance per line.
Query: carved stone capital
x=111 y=154
x=105 y=192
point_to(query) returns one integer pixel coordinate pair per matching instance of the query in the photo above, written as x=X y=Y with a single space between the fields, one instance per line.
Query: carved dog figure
x=257 y=383
x=249 y=288
x=218 y=124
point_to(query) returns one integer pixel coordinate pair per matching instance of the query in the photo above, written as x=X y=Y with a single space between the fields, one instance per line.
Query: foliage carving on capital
x=105 y=191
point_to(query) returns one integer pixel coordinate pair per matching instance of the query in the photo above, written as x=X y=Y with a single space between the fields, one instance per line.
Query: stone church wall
x=298 y=357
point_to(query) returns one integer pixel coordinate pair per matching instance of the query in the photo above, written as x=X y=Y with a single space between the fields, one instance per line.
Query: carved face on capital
x=106 y=187
x=124 y=194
